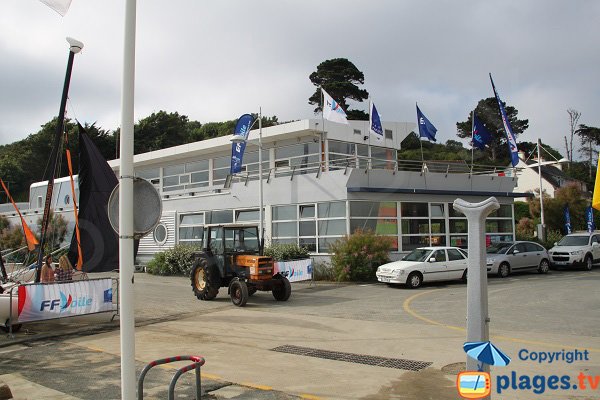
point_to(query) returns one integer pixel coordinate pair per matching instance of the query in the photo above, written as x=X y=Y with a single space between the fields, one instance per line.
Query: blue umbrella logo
x=486 y=353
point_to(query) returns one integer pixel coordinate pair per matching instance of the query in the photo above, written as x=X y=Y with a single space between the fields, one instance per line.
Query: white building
x=318 y=187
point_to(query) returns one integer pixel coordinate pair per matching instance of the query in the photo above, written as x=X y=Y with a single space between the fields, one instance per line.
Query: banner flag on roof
x=375 y=128
x=568 y=229
x=242 y=128
x=596 y=197
x=510 y=136
x=426 y=128
x=60 y=6
x=589 y=218
x=332 y=111
x=481 y=136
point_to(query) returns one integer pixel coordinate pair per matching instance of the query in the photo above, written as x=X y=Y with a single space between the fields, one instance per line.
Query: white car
x=576 y=249
x=425 y=264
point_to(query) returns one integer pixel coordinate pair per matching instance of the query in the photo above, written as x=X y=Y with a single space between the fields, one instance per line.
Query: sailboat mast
x=75 y=47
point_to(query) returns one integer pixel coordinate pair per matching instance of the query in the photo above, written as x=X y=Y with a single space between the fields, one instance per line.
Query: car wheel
x=464 y=276
x=414 y=280
x=544 y=266
x=588 y=263
x=503 y=270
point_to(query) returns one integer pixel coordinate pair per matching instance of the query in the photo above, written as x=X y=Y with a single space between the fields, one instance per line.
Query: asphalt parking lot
x=329 y=341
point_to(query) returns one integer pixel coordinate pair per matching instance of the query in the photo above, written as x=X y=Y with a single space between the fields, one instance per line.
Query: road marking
x=406 y=307
x=255 y=386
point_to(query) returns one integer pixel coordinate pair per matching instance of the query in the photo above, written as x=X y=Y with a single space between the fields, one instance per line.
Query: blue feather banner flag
x=242 y=128
x=510 y=136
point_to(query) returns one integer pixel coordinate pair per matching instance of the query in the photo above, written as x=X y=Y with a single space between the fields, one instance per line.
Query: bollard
x=477 y=293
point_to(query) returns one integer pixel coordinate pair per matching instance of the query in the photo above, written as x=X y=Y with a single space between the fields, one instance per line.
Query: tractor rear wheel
x=204 y=280
x=281 y=290
x=238 y=290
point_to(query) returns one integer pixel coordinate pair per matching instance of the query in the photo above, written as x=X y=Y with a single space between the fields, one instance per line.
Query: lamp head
x=75 y=45
x=563 y=160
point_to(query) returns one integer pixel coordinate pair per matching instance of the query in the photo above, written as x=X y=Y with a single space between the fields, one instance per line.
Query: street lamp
x=542 y=226
x=241 y=139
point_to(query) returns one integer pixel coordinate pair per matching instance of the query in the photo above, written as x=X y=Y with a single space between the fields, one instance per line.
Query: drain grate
x=397 y=363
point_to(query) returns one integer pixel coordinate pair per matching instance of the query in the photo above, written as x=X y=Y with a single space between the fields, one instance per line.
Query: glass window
x=412 y=242
x=438 y=226
x=357 y=131
x=190 y=232
x=455 y=255
x=160 y=234
x=184 y=179
x=533 y=247
x=458 y=225
x=499 y=225
x=284 y=213
x=332 y=210
x=307 y=211
x=362 y=150
x=389 y=134
x=309 y=243
x=459 y=241
x=438 y=241
x=199 y=176
x=439 y=255
x=171 y=180
x=220 y=174
x=197 y=166
x=247 y=215
x=414 y=210
x=148 y=173
x=437 y=210
x=341 y=147
x=222 y=162
x=332 y=227
x=297 y=150
x=307 y=228
x=324 y=244
x=221 y=217
x=285 y=229
x=191 y=219
x=372 y=209
x=379 y=226
x=415 y=226
x=505 y=211
x=174 y=170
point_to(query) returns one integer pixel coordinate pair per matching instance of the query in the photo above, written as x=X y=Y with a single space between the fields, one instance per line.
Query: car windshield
x=574 y=241
x=498 y=248
x=417 y=255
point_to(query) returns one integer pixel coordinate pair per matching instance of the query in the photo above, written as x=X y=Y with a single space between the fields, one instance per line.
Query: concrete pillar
x=477 y=294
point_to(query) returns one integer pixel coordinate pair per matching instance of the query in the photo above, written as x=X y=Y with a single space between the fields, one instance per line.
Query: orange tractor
x=231 y=258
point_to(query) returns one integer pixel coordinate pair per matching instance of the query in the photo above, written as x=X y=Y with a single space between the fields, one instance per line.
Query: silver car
x=506 y=257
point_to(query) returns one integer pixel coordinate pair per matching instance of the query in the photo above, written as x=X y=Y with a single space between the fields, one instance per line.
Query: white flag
x=60 y=6
x=332 y=111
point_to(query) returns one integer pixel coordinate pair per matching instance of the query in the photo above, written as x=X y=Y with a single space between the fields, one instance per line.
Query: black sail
x=99 y=242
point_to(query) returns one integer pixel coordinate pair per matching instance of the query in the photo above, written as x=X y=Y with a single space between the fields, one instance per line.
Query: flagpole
x=472 y=138
x=322 y=141
x=126 y=254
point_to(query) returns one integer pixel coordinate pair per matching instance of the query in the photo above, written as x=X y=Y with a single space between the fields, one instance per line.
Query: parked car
x=425 y=264
x=506 y=257
x=575 y=250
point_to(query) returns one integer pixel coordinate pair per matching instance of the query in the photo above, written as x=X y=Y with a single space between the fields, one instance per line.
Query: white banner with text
x=299 y=270
x=65 y=299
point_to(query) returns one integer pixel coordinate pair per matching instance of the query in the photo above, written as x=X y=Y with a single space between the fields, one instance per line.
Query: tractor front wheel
x=203 y=280
x=282 y=288
x=238 y=290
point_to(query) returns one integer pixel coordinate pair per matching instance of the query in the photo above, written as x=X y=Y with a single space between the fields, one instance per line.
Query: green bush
x=552 y=236
x=286 y=252
x=356 y=257
x=176 y=261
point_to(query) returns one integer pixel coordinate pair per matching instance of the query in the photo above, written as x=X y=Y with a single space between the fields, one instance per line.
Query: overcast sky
x=215 y=60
